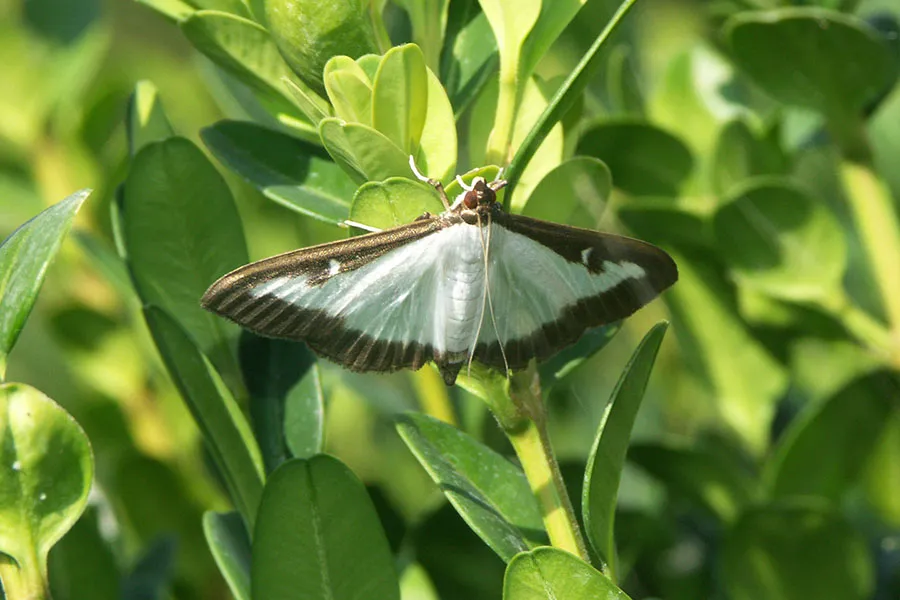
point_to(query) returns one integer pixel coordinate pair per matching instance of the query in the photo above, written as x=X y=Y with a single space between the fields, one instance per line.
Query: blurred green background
x=67 y=69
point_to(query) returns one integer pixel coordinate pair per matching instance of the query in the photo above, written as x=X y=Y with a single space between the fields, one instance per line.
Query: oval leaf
x=349 y=90
x=551 y=574
x=365 y=154
x=24 y=258
x=741 y=153
x=318 y=537
x=573 y=193
x=644 y=160
x=438 y=143
x=780 y=241
x=607 y=459
x=487 y=490
x=811 y=57
x=147 y=121
x=293 y=173
x=229 y=543
x=796 y=552
x=46 y=470
x=400 y=97
x=182 y=232
x=394 y=202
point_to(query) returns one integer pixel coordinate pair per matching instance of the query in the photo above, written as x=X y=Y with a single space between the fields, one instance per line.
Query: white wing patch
x=430 y=291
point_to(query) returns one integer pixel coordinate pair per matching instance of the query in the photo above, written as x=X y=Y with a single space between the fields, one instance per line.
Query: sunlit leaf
x=550 y=573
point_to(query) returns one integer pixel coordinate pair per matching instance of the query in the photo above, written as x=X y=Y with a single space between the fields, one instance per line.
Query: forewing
x=550 y=283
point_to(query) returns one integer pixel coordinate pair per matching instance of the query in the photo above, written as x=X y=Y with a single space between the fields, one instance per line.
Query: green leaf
x=511 y=22
x=282 y=378
x=607 y=458
x=46 y=470
x=553 y=18
x=429 y=20
x=235 y=7
x=400 y=97
x=563 y=363
x=709 y=478
x=551 y=574
x=666 y=222
x=393 y=202
x=225 y=430
x=147 y=121
x=174 y=10
x=182 y=232
x=152 y=574
x=293 y=173
x=825 y=450
x=811 y=57
x=318 y=537
x=743 y=379
x=349 y=90
x=741 y=154
x=365 y=154
x=229 y=543
x=796 y=551
x=573 y=193
x=244 y=49
x=82 y=565
x=622 y=85
x=780 y=241
x=472 y=57
x=644 y=160
x=24 y=258
x=881 y=481
x=438 y=144
x=562 y=101
x=310 y=32
x=489 y=492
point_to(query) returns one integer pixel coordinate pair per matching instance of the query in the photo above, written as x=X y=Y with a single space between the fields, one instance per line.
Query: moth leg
x=432 y=182
x=425 y=216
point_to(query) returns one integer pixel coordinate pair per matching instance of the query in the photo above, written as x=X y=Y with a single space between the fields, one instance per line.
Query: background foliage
x=754 y=140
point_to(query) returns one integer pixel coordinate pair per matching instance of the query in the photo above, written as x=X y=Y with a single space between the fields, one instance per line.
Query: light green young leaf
x=429 y=20
x=473 y=57
x=438 y=144
x=400 y=97
x=174 y=10
x=46 y=469
x=365 y=154
x=393 y=202
x=607 y=458
x=489 y=492
x=24 y=258
x=551 y=574
x=553 y=18
x=349 y=90
x=318 y=537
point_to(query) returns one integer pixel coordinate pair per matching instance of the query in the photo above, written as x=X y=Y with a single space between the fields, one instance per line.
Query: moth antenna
x=463 y=184
x=499 y=174
x=487 y=286
x=432 y=182
x=484 y=298
x=363 y=226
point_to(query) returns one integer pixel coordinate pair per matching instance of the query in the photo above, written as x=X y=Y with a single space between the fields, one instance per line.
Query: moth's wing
x=550 y=283
x=360 y=302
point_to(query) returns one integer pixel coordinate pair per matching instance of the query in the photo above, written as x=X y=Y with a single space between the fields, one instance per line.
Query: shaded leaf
x=82 y=565
x=24 y=258
x=489 y=492
x=567 y=360
x=318 y=537
x=152 y=574
x=470 y=56
x=229 y=543
x=741 y=154
x=607 y=458
x=573 y=193
x=147 y=121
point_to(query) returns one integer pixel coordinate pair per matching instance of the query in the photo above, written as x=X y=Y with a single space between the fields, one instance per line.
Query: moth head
x=482 y=193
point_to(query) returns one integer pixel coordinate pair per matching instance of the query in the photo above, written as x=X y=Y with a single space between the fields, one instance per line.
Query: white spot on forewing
x=586 y=255
x=615 y=273
x=333 y=267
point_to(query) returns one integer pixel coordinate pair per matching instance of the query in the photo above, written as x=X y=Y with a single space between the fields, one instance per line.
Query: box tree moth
x=472 y=283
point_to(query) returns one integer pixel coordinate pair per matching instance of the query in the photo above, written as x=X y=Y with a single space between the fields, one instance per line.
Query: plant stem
x=532 y=445
x=433 y=396
x=504 y=118
x=23 y=581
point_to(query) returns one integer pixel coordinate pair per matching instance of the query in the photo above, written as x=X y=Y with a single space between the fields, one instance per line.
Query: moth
x=474 y=283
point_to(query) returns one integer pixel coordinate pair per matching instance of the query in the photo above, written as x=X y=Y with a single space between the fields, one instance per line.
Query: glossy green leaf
x=563 y=363
x=225 y=430
x=824 y=451
x=244 y=49
x=573 y=193
x=24 y=258
x=365 y=154
x=741 y=154
x=46 y=469
x=310 y=32
x=82 y=565
x=706 y=476
x=289 y=171
x=780 y=241
x=393 y=202
x=743 y=378
x=318 y=537
x=438 y=144
x=811 y=57
x=796 y=552
x=607 y=458
x=400 y=97
x=487 y=490
x=349 y=90
x=282 y=378
x=551 y=574
x=147 y=121
x=471 y=58
x=182 y=232
x=563 y=100
x=644 y=160
x=229 y=543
